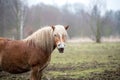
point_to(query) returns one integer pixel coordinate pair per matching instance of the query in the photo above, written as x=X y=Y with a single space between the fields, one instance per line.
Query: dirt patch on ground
x=106 y=75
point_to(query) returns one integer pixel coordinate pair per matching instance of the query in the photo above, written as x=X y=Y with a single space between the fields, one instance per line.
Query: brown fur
x=18 y=56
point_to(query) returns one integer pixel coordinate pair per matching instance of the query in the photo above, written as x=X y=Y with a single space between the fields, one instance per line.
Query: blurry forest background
x=18 y=20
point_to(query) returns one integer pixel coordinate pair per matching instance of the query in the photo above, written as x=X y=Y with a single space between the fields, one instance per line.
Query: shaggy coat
x=32 y=53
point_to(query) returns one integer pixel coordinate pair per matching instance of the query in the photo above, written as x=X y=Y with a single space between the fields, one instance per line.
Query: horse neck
x=42 y=40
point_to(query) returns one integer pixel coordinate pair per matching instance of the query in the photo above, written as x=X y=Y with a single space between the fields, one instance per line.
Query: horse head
x=59 y=36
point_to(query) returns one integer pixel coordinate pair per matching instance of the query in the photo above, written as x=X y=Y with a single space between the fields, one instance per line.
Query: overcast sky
x=110 y=4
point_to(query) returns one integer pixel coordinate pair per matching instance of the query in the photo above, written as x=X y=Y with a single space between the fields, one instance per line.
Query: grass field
x=81 y=61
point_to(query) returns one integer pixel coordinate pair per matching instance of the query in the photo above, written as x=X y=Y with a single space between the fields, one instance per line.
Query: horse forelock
x=59 y=29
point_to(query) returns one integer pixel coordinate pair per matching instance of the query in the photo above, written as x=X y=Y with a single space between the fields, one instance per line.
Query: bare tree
x=96 y=28
x=96 y=20
x=19 y=11
x=22 y=18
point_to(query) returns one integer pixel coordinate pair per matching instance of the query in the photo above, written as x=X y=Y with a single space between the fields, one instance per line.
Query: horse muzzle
x=60 y=47
x=61 y=50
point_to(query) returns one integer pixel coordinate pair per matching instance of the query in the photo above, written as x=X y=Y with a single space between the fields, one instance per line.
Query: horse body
x=15 y=57
x=32 y=53
x=19 y=57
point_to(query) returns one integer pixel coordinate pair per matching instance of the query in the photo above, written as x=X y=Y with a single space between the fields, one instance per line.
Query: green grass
x=82 y=59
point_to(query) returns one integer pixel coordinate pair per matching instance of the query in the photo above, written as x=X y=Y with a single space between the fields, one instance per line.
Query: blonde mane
x=44 y=37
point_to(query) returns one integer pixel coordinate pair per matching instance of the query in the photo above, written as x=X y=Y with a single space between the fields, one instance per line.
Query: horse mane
x=42 y=38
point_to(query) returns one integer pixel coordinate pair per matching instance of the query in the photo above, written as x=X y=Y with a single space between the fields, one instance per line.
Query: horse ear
x=53 y=28
x=66 y=27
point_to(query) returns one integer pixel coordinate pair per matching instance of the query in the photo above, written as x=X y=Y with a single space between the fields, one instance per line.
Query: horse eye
x=55 y=35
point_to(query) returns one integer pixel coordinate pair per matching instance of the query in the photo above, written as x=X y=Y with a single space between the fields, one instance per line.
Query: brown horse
x=32 y=53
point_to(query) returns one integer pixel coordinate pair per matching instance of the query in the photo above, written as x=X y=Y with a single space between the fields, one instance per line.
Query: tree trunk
x=98 y=31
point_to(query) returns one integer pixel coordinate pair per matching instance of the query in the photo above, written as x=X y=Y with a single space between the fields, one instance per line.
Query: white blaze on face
x=61 y=43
